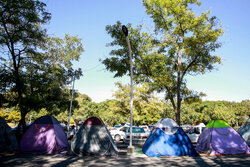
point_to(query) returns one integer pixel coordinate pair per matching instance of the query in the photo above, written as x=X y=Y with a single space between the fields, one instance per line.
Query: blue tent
x=168 y=139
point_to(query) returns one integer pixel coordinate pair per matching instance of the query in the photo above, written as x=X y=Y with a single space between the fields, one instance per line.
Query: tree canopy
x=35 y=68
x=183 y=43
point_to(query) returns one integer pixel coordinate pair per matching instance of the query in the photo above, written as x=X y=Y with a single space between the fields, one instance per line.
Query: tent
x=8 y=140
x=244 y=131
x=93 y=138
x=219 y=138
x=44 y=136
x=168 y=139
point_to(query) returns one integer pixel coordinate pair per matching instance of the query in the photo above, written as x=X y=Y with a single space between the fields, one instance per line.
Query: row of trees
x=35 y=68
x=148 y=109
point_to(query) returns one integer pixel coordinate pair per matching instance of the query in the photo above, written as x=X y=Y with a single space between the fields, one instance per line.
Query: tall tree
x=20 y=33
x=36 y=69
x=184 y=43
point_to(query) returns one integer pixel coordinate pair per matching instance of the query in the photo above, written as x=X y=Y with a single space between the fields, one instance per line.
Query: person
x=73 y=130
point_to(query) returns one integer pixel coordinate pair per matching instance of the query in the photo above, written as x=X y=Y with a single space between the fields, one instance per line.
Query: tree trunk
x=178 y=111
x=22 y=124
x=173 y=105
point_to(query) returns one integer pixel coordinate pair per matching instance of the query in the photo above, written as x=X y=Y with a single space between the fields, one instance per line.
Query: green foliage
x=183 y=43
x=20 y=33
x=147 y=108
x=63 y=116
x=3 y=113
x=108 y=113
x=14 y=116
x=35 y=68
x=10 y=114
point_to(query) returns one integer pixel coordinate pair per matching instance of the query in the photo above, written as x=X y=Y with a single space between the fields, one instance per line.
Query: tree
x=20 y=33
x=183 y=44
x=86 y=108
x=49 y=73
x=53 y=70
x=108 y=113
x=35 y=68
x=147 y=108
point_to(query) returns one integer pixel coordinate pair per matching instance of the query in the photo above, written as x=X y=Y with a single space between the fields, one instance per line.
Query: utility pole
x=72 y=94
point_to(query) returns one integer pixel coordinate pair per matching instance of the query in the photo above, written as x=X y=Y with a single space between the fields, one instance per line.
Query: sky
x=88 y=18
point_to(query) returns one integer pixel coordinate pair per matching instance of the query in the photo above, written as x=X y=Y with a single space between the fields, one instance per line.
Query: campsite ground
x=138 y=159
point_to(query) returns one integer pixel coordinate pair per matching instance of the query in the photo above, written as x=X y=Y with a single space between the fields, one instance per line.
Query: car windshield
x=137 y=130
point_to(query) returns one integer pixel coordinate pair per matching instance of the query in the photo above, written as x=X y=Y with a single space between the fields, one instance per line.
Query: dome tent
x=44 y=136
x=93 y=138
x=8 y=140
x=168 y=139
x=244 y=131
x=219 y=138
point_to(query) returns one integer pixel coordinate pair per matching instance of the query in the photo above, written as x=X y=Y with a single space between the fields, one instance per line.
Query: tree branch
x=189 y=65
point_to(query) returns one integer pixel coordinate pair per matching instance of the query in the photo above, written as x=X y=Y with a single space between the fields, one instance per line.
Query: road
x=26 y=160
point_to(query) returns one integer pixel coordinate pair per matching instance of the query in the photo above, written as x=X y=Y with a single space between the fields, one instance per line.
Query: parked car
x=186 y=127
x=139 y=136
x=195 y=132
x=118 y=133
x=145 y=127
x=118 y=126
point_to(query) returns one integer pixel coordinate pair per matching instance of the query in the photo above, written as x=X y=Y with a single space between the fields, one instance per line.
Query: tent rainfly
x=44 y=136
x=93 y=139
x=219 y=138
x=168 y=139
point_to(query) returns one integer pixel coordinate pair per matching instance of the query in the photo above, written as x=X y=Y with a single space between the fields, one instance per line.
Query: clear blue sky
x=88 y=19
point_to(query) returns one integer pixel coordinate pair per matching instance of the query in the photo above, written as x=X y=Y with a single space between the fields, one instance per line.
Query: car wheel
x=117 y=137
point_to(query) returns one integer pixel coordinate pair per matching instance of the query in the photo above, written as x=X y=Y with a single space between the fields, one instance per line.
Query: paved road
x=24 y=160
x=53 y=160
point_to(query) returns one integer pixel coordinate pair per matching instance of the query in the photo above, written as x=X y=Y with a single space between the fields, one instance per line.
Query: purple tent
x=44 y=136
x=220 y=139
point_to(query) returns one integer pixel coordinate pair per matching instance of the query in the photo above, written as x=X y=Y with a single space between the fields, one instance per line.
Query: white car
x=195 y=132
x=139 y=136
x=146 y=128
x=118 y=133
